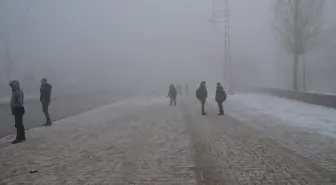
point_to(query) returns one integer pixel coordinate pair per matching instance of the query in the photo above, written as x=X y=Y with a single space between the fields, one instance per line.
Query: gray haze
x=148 y=44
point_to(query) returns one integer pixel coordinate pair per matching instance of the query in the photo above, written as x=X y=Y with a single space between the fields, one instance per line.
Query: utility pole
x=221 y=14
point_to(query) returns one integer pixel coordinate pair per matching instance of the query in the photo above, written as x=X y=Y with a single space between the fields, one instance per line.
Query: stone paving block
x=248 y=155
x=131 y=142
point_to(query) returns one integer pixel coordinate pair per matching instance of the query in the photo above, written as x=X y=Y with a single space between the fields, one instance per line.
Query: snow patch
x=320 y=119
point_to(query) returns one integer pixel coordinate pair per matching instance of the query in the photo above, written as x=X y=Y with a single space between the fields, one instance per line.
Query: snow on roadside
x=318 y=118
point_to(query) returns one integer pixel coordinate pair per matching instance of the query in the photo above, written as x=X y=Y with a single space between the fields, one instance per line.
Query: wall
x=312 y=98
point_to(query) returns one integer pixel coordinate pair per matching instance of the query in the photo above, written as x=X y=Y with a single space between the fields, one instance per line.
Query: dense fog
x=144 y=45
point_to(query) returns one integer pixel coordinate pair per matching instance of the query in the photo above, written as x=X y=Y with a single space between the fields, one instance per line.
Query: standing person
x=172 y=94
x=201 y=95
x=220 y=98
x=18 y=111
x=45 y=94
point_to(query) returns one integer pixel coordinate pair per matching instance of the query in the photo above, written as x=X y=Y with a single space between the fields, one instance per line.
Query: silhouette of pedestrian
x=201 y=95
x=45 y=98
x=220 y=98
x=18 y=111
x=172 y=93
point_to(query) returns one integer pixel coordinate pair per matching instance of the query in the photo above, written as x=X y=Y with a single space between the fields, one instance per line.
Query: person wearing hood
x=172 y=93
x=201 y=95
x=45 y=98
x=220 y=98
x=18 y=111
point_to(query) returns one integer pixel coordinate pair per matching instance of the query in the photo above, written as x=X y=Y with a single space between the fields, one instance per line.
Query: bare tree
x=297 y=24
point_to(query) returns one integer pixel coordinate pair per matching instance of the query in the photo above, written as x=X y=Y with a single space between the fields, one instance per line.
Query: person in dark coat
x=45 y=98
x=201 y=95
x=18 y=111
x=220 y=98
x=172 y=93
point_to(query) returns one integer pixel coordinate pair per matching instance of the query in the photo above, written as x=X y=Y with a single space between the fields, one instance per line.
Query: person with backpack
x=172 y=93
x=201 y=95
x=220 y=98
x=18 y=111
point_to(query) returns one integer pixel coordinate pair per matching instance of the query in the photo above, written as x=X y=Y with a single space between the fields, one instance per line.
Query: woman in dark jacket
x=172 y=93
x=18 y=111
x=220 y=98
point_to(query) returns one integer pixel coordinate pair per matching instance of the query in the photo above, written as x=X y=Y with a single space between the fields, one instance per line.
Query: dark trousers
x=45 y=109
x=203 y=104
x=172 y=100
x=20 y=130
x=220 y=106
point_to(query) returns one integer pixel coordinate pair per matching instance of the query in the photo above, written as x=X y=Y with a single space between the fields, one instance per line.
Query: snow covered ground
x=282 y=111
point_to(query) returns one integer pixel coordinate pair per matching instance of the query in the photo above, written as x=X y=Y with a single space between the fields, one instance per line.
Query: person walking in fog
x=172 y=94
x=18 y=111
x=201 y=95
x=45 y=98
x=220 y=98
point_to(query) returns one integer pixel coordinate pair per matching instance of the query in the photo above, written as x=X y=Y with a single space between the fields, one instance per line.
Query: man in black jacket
x=220 y=98
x=201 y=95
x=45 y=97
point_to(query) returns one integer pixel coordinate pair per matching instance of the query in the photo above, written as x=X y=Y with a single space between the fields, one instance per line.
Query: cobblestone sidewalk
x=229 y=152
x=306 y=141
x=130 y=142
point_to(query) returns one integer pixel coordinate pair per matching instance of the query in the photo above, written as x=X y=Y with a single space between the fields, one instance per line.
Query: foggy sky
x=145 y=43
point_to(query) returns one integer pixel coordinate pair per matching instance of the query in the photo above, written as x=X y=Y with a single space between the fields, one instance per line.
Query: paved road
x=59 y=108
x=144 y=141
